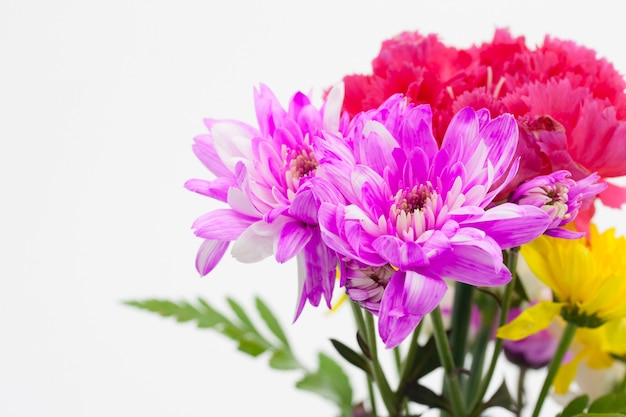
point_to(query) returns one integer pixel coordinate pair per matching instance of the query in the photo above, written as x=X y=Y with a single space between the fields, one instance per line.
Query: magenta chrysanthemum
x=422 y=210
x=560 y=197
x=263 y=175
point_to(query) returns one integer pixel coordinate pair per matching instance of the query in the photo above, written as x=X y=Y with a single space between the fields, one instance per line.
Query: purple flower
x=534 y=351
x=263 y=175
x=560 y=197
x=419 y=209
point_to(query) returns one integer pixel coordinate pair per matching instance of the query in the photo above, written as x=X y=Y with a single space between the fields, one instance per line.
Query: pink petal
x=292 y=239
x=510 y=224
x=409 y=296
x=403 y=255
x=209 y=254
x=257 y=242
x=472 y=265
x=222 y=224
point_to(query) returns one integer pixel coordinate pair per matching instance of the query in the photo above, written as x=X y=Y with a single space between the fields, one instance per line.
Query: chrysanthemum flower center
x=302 y=163
x=414 y=199
x=556 y=206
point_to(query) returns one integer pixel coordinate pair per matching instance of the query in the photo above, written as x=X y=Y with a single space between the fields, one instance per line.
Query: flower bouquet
x=448 y=199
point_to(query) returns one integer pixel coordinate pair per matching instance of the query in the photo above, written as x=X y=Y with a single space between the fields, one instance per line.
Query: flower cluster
x=431 y=175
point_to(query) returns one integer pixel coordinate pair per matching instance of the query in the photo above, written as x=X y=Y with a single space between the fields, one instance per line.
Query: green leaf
x=422 y=395
x=610 y=403
x=426 y=361
x=363 y=345
x=283 y=359
x=241 y=315
x=351 y=356
x=271 y=321
x=330 y=382
x=501 y=398
x=576 y=406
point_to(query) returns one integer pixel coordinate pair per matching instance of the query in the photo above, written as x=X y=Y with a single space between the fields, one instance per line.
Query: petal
x=257 y=242
x=500 y=135
x=233 y=142
x=209 y=254
x=332 y=108
x=472 y=264
x=409 y=296
x=461 y=134
x=222 y=224
x=532 y=320
x=510 y=224
x=403 y=255
x=206 y=153
x=317 y=269
x=292 y=239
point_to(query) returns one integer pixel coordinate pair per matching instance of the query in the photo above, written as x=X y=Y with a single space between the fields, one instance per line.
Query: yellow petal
x=531 y=321
x=566 y=374
x=542 y=257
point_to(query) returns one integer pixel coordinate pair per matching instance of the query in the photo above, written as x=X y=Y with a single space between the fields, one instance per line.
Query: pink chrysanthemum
x=263 y=175
x=560 y=197
x=420 y=210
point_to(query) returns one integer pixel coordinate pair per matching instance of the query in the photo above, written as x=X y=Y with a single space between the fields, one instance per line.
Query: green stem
x=461 y=313
x=410 y=357
x=555 y=364
x=388 y=396
x=511 y=264
x=407 y=365
x=478 y=361
x=360 y=325
x=520 y=390
x=445 y=355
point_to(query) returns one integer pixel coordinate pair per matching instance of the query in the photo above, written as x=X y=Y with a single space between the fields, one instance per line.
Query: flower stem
x=521 y=377
x=445 y=355
x=461 y=313
x=388 y=396
x=555 y=364
x=360 y=325
x=511 y=264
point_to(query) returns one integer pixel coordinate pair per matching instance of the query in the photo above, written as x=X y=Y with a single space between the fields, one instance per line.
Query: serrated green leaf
x=351 y=356
x=283 y=360
x=241 y=314
x=271 y=321
x=610 y=403
x=576 y=406
x=251 y=346
x=330 y=382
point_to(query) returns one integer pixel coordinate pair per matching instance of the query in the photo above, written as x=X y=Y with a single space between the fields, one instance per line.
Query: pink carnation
x=570 y=105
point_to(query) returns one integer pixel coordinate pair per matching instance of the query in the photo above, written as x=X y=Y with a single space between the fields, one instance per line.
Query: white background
x=99 y=104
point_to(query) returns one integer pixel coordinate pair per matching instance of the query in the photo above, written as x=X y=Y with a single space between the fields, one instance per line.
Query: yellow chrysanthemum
x=587 y=277
x=596 y=348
